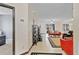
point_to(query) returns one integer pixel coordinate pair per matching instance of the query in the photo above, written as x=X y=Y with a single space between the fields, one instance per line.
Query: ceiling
x=52 y=10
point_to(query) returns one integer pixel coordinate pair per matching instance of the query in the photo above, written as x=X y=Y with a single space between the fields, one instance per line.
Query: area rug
x=55 y=43
x=38 y=53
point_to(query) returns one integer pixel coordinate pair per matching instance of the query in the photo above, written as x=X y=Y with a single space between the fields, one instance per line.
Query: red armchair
x=67 y=45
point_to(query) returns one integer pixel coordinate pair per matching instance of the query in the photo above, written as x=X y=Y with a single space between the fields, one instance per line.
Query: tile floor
x=45 y=47
x=6 y=49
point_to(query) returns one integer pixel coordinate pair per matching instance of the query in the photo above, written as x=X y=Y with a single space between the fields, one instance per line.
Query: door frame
x=13 y=18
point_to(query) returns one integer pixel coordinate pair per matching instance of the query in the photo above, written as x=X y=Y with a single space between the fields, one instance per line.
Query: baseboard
x=24 y=53
x=27 y=51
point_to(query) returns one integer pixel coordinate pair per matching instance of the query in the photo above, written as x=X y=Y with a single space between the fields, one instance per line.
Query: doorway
x=7 y=29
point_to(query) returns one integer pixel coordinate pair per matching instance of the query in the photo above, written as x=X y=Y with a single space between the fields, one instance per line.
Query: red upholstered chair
x=67 y=45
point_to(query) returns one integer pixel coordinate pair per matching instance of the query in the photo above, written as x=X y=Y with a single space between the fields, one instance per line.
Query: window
x=51 y=27
x=66 y=27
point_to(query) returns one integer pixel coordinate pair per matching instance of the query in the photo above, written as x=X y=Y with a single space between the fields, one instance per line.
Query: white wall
x=6 y=25
x=58 y=23
x=43 y=23
x=76 y=27
x=21 y=28
x=30 y=23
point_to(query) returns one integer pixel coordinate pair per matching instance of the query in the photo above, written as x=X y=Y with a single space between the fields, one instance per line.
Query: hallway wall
x=21 y=27
x=76 y=27
x=30 y=23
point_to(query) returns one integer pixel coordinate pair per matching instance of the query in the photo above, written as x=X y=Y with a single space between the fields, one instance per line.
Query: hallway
x=51 y=26
x=45 y=47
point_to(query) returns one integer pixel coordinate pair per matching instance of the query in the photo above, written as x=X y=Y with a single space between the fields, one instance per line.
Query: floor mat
x=38 y=53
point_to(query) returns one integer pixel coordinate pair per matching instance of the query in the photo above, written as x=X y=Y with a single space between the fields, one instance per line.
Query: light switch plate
x=22 y=20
